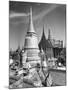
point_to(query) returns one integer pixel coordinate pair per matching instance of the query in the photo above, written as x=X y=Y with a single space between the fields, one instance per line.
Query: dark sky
x=51 y=16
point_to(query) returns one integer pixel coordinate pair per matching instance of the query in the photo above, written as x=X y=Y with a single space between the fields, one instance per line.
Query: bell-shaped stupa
x=31 y=42
x=31 y=37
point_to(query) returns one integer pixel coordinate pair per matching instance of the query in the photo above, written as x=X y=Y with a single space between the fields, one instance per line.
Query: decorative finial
x=31 y=27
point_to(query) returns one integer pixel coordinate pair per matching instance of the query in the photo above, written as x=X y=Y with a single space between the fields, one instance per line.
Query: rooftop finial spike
x=31 y=11
x=31 y=20
x=49 y=35
x=31 y=27
x=43 y=31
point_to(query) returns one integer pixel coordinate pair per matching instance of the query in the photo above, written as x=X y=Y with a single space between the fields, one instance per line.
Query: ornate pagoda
x=31 y=49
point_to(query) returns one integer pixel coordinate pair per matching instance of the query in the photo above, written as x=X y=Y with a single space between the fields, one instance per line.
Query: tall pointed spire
x=31 y=27
x=49 y=35
x=43 y=34
x=31 y=37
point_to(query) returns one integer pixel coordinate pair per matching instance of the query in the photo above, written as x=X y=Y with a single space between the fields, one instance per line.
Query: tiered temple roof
x=44 y=43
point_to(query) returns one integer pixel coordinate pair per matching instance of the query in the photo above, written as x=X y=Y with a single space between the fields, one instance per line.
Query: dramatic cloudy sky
x=51 y=16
